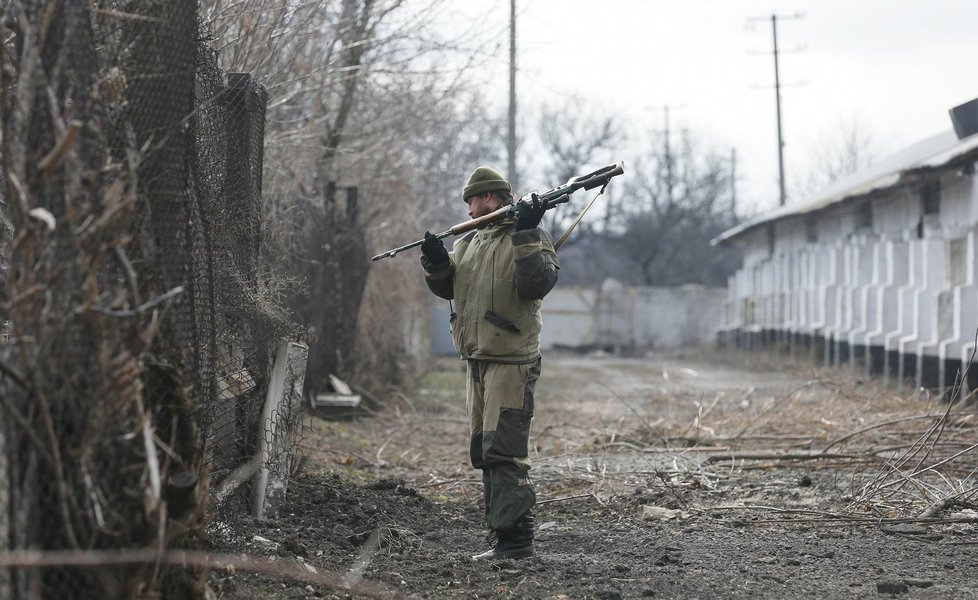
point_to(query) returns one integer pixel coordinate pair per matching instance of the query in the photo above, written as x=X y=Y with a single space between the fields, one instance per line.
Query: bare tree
x=662 y=235
x=359 y=97
x=847 y=149
x=575 y=137
x=673 y=217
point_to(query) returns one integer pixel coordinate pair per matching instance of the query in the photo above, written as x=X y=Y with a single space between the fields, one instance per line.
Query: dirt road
x=658 y=477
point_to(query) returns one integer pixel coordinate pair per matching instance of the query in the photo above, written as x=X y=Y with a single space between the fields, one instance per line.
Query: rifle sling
x=567 y=233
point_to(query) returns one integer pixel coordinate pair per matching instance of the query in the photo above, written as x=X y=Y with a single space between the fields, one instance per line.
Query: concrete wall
x=878 y=283
x=616 y=317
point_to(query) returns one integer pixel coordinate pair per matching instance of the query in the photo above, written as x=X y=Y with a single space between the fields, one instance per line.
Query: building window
x=864 y=216
x=811 y=230
x=930 y=197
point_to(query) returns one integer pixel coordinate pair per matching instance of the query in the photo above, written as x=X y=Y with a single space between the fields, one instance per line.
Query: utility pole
x=667 y=153
x=733 y=181
x=511 y=141
x=777 y=100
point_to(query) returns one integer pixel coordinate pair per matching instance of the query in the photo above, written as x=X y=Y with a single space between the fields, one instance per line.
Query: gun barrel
x=394 y=251
x=601 y=176
x=587 y=182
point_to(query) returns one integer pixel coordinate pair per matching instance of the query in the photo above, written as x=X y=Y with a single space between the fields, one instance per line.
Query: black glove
x=433 y=250
x=528 y=214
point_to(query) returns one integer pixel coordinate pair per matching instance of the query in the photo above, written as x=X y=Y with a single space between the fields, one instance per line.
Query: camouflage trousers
x=499 y=401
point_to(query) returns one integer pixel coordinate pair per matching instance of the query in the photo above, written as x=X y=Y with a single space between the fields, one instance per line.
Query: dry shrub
x=354 y=99
x=902 y=452
x=393 y=326
x=103 y=378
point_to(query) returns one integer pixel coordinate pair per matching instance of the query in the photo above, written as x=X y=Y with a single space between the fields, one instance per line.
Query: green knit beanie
x=485 y=179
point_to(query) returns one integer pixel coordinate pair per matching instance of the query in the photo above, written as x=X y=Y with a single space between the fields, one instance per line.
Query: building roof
x=938 y=152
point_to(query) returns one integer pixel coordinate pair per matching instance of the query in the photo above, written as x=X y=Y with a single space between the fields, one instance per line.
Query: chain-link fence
x=137 y=385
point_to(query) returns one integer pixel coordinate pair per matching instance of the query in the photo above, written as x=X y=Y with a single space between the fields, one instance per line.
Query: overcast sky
x=893 y=66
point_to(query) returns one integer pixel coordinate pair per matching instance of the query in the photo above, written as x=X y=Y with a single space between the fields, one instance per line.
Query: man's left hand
x=529 y=214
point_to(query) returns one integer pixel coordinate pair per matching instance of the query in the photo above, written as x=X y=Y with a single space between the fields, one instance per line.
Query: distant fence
x=615 y=317
x=137 y=387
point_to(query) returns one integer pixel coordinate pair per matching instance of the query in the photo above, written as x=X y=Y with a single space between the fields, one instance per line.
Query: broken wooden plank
x=331 y=400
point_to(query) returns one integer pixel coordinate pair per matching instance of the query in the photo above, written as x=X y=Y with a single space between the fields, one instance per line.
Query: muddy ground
x=679 y=476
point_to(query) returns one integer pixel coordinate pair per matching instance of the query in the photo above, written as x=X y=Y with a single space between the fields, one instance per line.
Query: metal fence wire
x=139 y=337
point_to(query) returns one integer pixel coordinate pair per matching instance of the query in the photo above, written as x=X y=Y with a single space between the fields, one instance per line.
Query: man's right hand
x=433 y=250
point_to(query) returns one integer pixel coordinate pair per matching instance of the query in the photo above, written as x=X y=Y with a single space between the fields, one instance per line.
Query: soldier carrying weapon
x=496 y=275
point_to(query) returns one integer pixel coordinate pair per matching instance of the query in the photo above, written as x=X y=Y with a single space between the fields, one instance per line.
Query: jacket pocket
x=498 y=336
x=502 y=322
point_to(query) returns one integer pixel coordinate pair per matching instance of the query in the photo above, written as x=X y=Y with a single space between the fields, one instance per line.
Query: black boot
x=513 y=543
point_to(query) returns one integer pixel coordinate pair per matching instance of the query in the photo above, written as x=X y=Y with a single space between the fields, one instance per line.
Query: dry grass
x=697 y=433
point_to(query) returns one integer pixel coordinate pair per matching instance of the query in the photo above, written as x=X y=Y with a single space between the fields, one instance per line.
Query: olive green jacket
x=497 y=277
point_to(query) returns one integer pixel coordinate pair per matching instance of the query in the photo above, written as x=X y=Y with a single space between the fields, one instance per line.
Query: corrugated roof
x=935 y=152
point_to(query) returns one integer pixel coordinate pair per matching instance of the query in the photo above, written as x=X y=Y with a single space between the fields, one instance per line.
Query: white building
x=878 y=271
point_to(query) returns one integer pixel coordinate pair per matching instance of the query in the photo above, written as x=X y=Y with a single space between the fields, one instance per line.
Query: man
x=497 y=276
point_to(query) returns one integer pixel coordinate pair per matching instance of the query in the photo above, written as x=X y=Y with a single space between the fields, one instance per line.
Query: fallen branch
x=853 y=434
x=564 y=498
x=943 y=462
x=832 y=516
x=681 y=451
x=763 y=436
x=896 y=466
x=938 y=507
x=819 y=456
x=451 y=482
x=233 y=481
